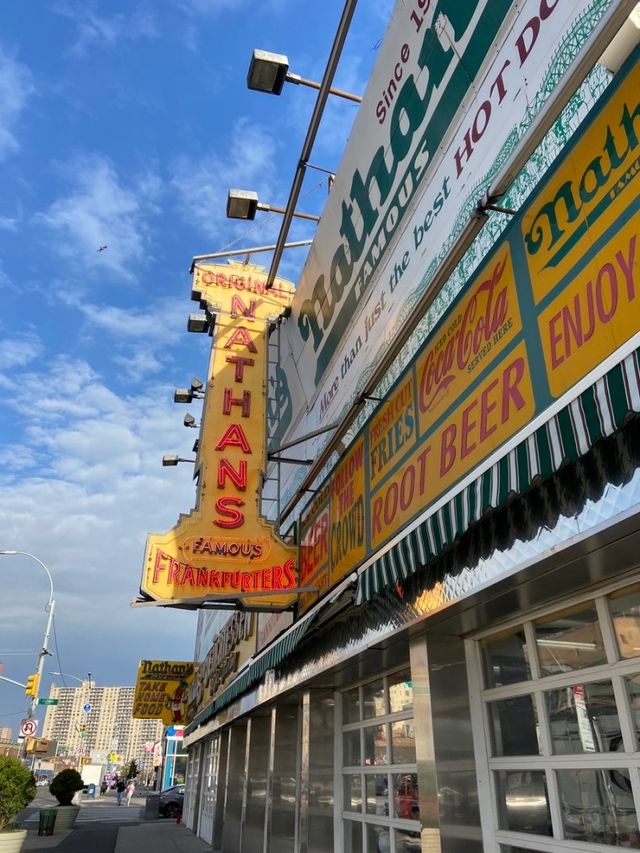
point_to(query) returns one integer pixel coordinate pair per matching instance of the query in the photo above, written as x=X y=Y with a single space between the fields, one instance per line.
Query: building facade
x=97 y=722
x=462 y=674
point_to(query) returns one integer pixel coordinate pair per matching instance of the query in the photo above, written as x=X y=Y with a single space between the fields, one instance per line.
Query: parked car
x=171 y=801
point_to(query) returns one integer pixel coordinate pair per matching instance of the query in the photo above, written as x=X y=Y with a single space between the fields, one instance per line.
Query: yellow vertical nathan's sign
x=162 y=689
x=224 y=549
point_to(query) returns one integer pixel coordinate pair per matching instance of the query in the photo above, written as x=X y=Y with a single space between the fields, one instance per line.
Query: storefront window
x=583 y=718
x=569 y=641
x=514 y=726
x=506 y=659
x=597 y=806
x=373 y=699
x=385 y=792
x=563 y=757
x=523 y=802
x=625 y=611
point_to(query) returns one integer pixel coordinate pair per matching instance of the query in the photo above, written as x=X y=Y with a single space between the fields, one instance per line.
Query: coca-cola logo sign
x=467 y=338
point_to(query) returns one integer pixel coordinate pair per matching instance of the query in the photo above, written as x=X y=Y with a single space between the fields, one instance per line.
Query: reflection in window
x=523 y=803
x=406 y=799
x=377 y=795
x=350 y=706
x=407 y=841
x=403 y=742
x=352 y=837
x=514 y=726
x=375 y=745
x=633 y=692
x=373 y=699
x=400 y=692
x=570 y=640
x=378 y=839
x=597 y=806
x=583 y=718
x=351 y=747
x=505 y=659
x=353 y=793
x=625 y=612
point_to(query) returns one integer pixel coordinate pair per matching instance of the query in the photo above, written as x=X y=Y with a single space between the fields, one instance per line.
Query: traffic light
x=33 y=682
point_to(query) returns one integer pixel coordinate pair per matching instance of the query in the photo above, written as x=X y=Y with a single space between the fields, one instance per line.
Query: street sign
x=28 y=728
x=86 y=708
x=47 y=701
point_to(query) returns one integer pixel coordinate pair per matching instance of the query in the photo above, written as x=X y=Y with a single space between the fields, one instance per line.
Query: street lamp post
x=47 y=632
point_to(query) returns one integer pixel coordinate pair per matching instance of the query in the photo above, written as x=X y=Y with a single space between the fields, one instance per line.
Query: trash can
x=151 y=806
x=47 y=821
x=91 y=791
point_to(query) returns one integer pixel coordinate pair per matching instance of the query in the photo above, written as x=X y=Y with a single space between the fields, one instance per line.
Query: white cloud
x=95 y=490
x=101 y=210
x=201 y=185
x=18 y=351
x=96 y=31
x=16 y=87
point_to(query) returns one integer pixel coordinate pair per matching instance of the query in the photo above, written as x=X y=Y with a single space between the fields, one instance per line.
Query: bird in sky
x=102 y=248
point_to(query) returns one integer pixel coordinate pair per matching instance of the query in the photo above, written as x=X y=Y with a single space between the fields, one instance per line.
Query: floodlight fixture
x=197 y=387
x=198 y=323
x=187 y=395
x=268 y=72
x=190 y=421
x=243 y=204
x=171 y=460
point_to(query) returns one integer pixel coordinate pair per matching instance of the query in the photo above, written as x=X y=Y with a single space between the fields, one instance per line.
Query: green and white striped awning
x=269 y=659
x=597 y=413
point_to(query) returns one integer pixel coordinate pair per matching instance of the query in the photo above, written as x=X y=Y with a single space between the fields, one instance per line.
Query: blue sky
x=124 y=124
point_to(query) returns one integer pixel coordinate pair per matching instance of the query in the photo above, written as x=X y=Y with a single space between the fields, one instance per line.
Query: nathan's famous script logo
x=485 y=313
x=612 y=167
x=280 y=404
x=372 y=204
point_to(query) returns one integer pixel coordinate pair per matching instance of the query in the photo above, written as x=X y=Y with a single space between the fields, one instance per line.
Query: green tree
x=131 y=770
x=17 y=788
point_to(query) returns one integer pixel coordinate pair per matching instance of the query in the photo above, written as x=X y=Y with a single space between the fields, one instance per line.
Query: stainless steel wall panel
x=234 y=799
x=457 y=789
x=285 y=780
x=256 y=784
x=321 y=771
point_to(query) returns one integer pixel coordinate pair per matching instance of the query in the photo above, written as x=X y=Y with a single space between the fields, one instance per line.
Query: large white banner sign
x=456 y=86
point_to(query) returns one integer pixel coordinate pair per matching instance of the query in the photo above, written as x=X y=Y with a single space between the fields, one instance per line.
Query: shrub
x=65 y=785
x=17 y=788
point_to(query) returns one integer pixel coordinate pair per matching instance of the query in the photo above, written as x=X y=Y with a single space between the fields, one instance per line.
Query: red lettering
x=229 y=400
x=231 y=517
x=234 y=437
x=241 y=336
x=240 y=362
x=238 y=307
x=447 y=449
x=226 y=469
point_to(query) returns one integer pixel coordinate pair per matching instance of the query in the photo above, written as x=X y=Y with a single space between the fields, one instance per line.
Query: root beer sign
x=557 y=296
x=224 y=549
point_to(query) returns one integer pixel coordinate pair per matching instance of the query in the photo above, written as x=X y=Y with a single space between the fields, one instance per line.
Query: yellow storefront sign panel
x=392 y=432
x=470 y=338
x=596 y=313
x=224 y=549
x=315 y=549
x=594 y=187
x=501 y=405
x=348 y=511
x=162 y=688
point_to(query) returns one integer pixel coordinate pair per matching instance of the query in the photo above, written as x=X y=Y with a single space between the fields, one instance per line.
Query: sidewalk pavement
x=96 y=836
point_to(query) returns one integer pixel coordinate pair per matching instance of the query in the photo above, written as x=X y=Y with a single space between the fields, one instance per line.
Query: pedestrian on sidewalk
x=131 y=786
x=120 y=789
